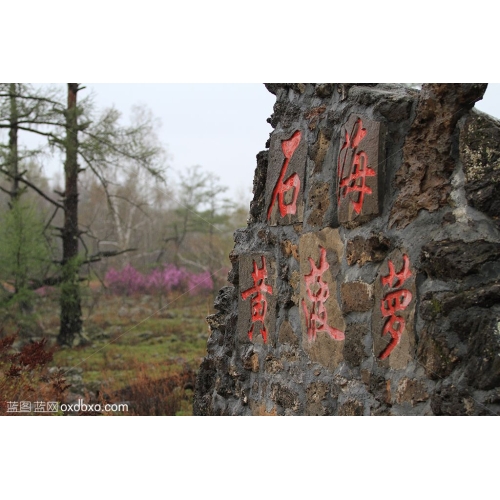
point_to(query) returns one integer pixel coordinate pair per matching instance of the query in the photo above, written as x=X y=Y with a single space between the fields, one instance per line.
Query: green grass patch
x=131 y=348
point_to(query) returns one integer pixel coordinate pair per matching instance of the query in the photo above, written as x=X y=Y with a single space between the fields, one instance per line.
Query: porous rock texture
x=367 y=281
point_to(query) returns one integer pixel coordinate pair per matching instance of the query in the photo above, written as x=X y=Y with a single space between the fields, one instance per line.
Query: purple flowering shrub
x=130 y=281
x=200 y=281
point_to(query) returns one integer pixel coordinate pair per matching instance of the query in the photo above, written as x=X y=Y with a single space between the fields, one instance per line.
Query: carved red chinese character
x=317 y=317
x=401 y=277
x=259 y=301
x=394 y=302
x=292 y=183
x=354 y=179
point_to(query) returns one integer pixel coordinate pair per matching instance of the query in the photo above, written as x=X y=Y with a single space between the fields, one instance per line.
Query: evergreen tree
x=25 y=254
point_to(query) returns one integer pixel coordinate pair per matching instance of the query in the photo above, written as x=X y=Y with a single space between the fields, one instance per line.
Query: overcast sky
x=218 y=126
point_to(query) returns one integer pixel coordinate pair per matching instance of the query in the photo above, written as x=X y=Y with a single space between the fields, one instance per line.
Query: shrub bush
x=130 y=281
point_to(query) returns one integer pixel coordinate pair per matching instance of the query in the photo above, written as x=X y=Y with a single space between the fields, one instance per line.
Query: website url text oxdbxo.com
x=56 y=407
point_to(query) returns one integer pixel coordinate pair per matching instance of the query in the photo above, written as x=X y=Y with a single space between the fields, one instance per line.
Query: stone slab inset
x=354 y=347
x=356 y=296
x=323 y=325
x=285 y=181
x=359 y=169
x=257 y=299
x=394 y=311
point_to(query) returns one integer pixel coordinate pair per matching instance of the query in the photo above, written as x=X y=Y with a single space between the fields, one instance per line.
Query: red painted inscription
x=292 y=183
x=353 y=178
x=259 y=301
x=393 y=302
x=316 y=316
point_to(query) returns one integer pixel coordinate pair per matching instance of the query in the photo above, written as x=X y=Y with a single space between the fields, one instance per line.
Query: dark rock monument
x=367 y=281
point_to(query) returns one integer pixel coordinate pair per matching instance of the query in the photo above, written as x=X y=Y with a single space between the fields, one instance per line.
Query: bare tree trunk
x=71 y=312
x=14 y=161
x=13 y=155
